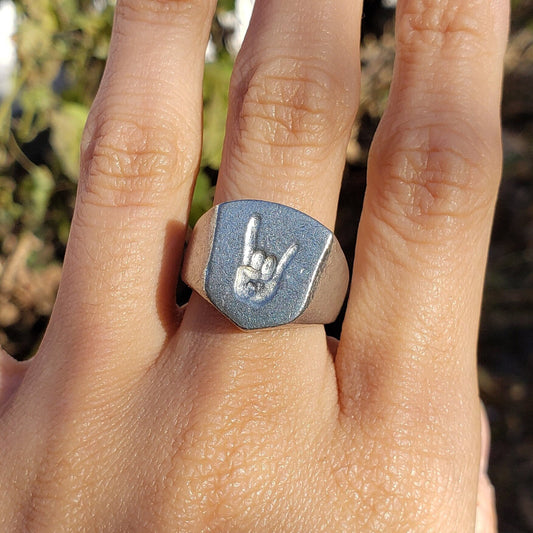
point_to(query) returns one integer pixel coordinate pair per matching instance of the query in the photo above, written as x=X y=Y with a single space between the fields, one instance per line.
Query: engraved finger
x=285 y=260
x=250 y=239
x=258 y=258
x=246 y=274
x=268 y=268
x=244 y=279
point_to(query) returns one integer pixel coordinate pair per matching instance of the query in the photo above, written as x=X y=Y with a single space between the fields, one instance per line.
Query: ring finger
x=293 y=98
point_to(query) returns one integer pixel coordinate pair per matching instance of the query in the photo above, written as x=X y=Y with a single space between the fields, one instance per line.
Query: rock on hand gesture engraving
x=258 y=277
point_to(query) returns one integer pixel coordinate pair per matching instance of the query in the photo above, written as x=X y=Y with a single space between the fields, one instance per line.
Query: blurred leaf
x=226 y=5
x=67 y=125
x=10 y=210
x=202 y=198
x=35 y=102
x=216 y=84
x=33 y=34
x=36 y=190
x=63 y=230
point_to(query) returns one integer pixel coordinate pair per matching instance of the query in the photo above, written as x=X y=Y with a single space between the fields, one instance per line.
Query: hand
x=136 y=416
x=258 y=277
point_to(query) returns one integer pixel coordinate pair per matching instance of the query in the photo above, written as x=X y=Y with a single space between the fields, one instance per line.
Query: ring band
x=263 y=265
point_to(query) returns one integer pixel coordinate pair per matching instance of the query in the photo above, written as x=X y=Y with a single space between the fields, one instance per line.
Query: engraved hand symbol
x=258 y=277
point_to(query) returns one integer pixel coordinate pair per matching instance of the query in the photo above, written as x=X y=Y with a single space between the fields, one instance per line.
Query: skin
x=137 y=416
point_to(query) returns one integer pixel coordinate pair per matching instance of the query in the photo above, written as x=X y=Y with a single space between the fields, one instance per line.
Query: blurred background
x=52 y=55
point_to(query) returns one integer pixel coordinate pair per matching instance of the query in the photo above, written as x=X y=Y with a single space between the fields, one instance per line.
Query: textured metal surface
x=265 y=264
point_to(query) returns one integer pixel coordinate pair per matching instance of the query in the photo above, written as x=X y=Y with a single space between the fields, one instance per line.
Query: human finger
x=408 y=347
x=140 y=155
x=293 y=97
x=434 y=171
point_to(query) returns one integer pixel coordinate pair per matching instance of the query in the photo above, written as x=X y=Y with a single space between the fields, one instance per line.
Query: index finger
x=250 y=239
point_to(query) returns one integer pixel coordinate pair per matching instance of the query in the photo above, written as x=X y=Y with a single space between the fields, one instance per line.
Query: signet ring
x=263 y=264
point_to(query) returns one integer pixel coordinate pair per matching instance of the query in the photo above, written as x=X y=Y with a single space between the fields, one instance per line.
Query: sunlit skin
x=137 y=416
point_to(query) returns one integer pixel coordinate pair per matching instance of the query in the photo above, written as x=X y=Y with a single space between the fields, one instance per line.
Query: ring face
x=264 y=262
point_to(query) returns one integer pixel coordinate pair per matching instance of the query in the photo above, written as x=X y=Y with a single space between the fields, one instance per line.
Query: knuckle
x=47 y=493
x=222 y=452
x=165 y=11
x=220 y=463
x=288 y=106
x=460 y=28
x=412 y=464
x=126 y=161
x=435 y=176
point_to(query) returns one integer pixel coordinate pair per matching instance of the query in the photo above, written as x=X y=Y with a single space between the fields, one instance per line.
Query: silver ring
x=263 y=264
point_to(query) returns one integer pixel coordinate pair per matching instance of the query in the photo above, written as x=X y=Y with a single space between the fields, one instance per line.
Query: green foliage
x=66 y=124
x=35 y=191
x=226 y=5
x=61 y=50
x=62 y=46
x=202 y=198
x=216 y=82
